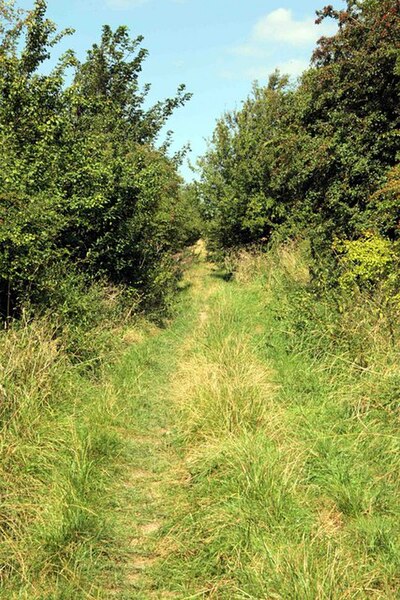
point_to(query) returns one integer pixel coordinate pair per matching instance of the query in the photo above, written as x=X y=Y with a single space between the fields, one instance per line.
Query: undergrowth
x=58 y=448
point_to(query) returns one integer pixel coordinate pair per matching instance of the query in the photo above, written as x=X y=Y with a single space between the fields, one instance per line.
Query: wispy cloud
x=277 y=40
x=279 y=27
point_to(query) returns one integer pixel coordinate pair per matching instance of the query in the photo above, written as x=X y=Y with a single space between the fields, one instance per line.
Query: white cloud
x=277 y=40
x=280 y=26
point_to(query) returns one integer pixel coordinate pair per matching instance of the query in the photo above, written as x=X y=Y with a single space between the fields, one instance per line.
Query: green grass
x=291 y=446
x=74 y=435
x=248 y=449
x=57 y=447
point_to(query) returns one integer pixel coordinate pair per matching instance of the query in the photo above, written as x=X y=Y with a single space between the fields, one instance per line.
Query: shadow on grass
x=224 y=275
x=183 y=286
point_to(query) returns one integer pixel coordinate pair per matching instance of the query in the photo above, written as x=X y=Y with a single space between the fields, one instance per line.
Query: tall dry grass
x=55 y=437
x=291 y=444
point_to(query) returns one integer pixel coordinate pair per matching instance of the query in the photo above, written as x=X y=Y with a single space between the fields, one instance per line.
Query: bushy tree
x=84 y=184
x=239 y=189
x=312 y=159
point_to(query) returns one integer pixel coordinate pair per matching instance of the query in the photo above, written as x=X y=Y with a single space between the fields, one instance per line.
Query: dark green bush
x=86 y=192
x=319 y=157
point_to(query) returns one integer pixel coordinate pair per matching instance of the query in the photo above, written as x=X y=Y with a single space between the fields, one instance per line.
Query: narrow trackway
x=147 y=426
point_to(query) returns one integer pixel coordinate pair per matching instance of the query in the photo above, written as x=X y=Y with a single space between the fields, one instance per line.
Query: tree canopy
x=320 y=157
x=85 y=184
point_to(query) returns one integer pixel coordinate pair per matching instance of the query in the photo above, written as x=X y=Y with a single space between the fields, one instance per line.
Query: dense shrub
x=85 y=187
x=321 y=157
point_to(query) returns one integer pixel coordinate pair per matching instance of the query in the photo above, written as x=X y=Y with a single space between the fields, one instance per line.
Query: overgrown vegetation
x=250 y=449
x=321 y=157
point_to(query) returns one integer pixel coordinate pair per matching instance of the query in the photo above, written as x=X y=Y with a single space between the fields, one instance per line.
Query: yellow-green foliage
x=369 y=263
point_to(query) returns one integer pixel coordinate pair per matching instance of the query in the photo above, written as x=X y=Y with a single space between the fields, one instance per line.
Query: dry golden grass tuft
x=249 y=263
x=28 y=356
x=293 y=261
x=330 y=521
x=220 y=386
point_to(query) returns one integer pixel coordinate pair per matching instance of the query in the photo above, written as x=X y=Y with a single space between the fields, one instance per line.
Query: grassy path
x=253 y=472
x=152 y=463
x=248 y=450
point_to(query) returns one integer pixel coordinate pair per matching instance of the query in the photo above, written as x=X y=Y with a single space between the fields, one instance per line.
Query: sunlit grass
x=257 y=432
x=292 y=486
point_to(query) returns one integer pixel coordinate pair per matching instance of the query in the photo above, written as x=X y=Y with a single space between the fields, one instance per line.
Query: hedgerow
x=86 y=188
x=319 y=158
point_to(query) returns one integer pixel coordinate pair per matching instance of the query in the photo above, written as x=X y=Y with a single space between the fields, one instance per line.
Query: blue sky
x=216 y=47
